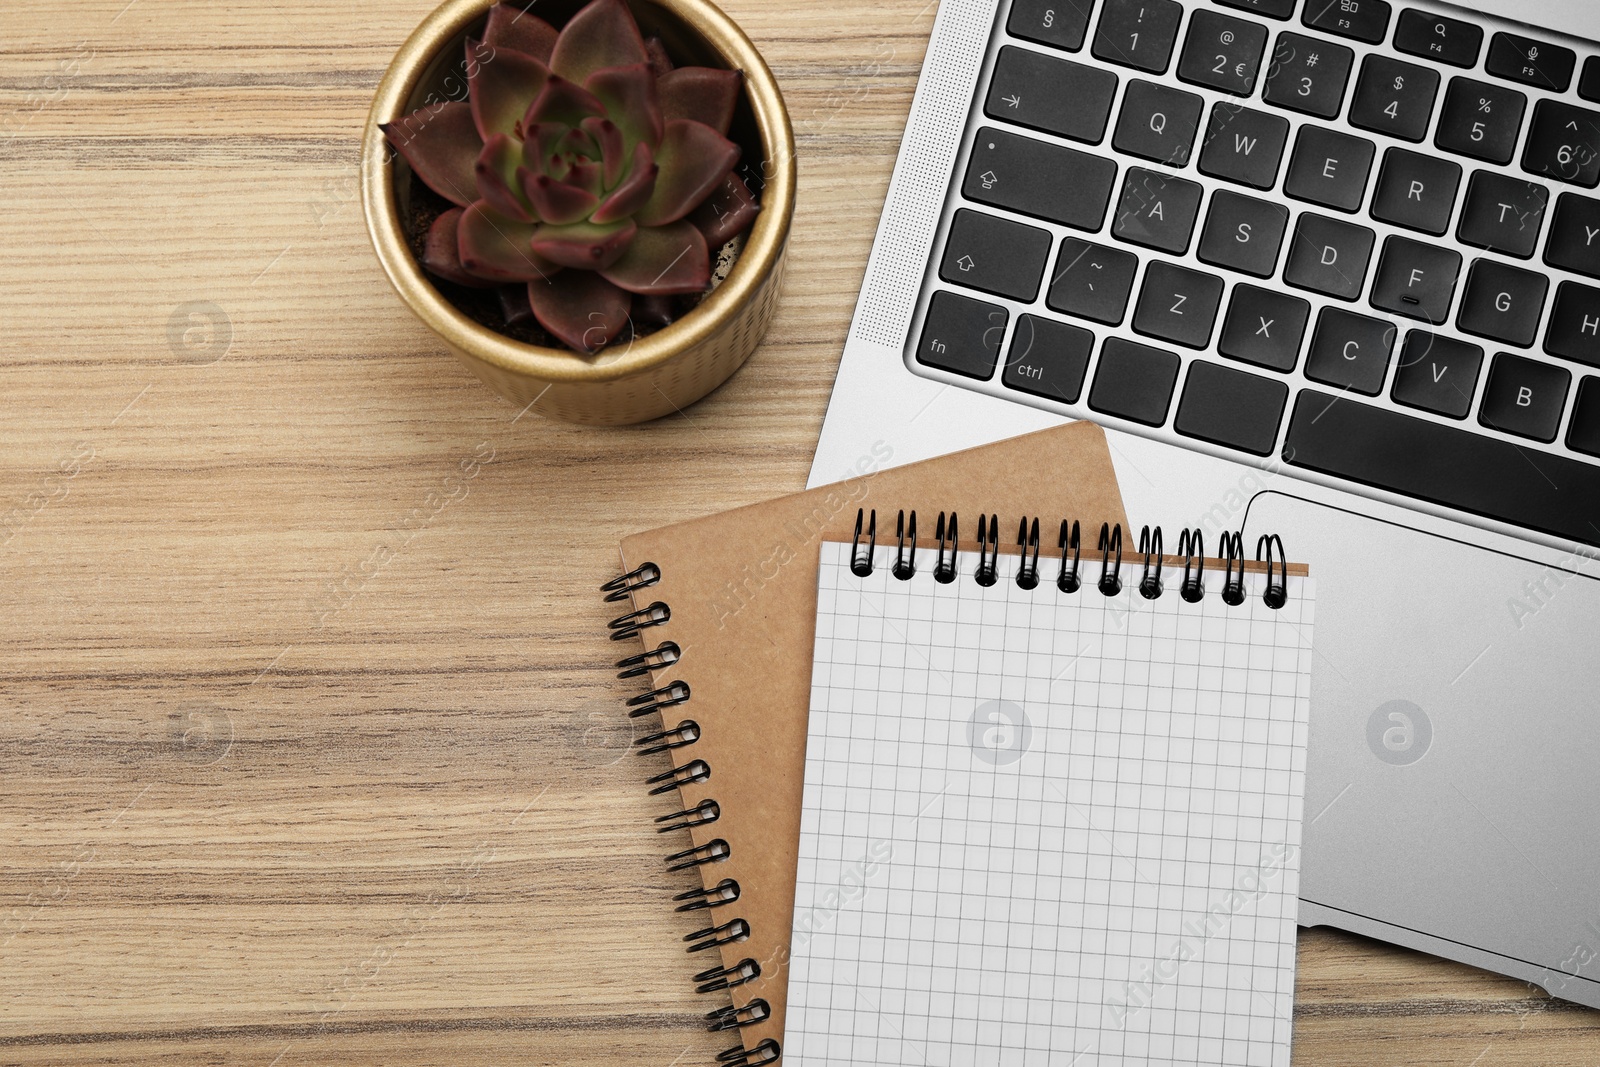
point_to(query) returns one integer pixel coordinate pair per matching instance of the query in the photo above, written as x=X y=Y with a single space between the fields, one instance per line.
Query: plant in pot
x=599 y=227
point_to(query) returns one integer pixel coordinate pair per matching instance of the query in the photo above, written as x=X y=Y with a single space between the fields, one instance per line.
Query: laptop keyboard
x=1361 y=237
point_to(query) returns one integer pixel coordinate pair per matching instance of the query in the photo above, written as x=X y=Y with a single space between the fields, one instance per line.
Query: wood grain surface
x=307 y=749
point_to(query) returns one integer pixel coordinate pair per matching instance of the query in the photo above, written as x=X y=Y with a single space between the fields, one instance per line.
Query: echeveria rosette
x=585 y=169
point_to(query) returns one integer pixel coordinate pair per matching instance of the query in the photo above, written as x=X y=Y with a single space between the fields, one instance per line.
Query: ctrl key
x=962 y=335
x=1048 y=359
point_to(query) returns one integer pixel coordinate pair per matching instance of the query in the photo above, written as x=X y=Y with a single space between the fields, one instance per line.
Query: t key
x=1503 y=214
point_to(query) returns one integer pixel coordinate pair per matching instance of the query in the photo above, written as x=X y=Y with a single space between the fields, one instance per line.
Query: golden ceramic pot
x=632 y=381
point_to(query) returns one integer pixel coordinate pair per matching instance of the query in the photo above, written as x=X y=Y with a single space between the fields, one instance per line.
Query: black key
x=1138 y=33
x=1437 y=374
x=1453 y=467
x=962 y=335
x=1564 y=144
x=1308 y=75
x=1092 y=281
x=1575 y=235
x=1575 y=324
x=1048 y=93
x=1584 y=436
x=1243 y=233
x=1047 y=181
x=1364 y=20
x=1503 y=303
x=1422 y=33
x=1276 y=9
x=1394 y=98
x=1329 y=168
x=1350 y=351
x=1223 y=52
x=1048 y=359
x=1232 y=408
x=1178 y=305
x=1158 y=123
x=1328 y=256
x=1416 y=280
x=1524 y=397
x=1416 y=191
x=1157 y=211
x=1264 y=327
x=1062 y=23
x=1244 y=146
x=1537 y=63
x=1503 y=214
x=1481 y=120
x=1134 y=382
x=996 y=255
x=1589 y=84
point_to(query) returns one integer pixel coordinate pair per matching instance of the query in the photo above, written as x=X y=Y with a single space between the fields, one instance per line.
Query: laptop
x=1326 y=268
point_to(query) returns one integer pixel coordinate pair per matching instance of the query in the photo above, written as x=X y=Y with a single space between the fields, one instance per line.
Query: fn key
x=962 y=335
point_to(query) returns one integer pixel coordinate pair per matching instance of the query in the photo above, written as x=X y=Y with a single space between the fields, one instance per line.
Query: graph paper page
x=1048 y=828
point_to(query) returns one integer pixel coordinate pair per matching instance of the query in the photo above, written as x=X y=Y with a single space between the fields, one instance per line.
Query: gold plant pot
x=635 y=380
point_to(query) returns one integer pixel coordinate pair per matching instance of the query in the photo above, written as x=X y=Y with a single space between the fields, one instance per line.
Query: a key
x=1503 y=214
x=1350 y=351
x=1158 y=123
x=1584 y=436
x=1575 y=324
x=1244 y=146
x=1264 y=327
x=1276 y=9
x=1394 y=98
x=1223 y=53
x=1437 y=374
x=1448 y=40
x=1363 y=20
x=1564 y=144
x=1575 y=235
x=1329 y=168
x=1062 y=23
x=995 y=255
x=1033 y=177
x=1052 y=94
x=1134 y=382
x=1589 y=84
x=1047 y=359
x=1243 y=233
x=1524 y=397
x=1092 y=281
x=1416 y=191
x=1503 y=303
x=1138 y=33
x=1232 y=408
x=962 y=335
x=1157 y=211
x=1329 y=256
x=1480 y=120
x=1537 y=63
x=1178 y=305
x=1308 y=75
x=1416 y=280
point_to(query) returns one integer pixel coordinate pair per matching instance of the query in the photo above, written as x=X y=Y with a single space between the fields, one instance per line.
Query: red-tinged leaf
x=585 y=175
x=564 y=102
x=441 y=143
x=703 y=94
x=512 y=27
x=602 y=34
x=514 y=305
x=652 y=310
x=693 y=159
x=584 y=245
x=493 y=246
x=660 y=62
x=440 y=255
x=613 y=153
x=557 y=202
x=663 y=260
x=634 y=191
x=502 y=83
x=629 y=94
x=726 y=213
x=580 y=309
x=497 y=169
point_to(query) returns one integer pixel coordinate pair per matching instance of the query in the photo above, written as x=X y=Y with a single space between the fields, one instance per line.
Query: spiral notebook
x=1051 y=809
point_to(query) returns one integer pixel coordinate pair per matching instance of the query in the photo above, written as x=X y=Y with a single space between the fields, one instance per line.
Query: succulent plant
x=593 y=181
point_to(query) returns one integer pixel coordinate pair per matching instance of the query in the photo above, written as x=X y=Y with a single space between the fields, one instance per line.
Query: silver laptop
x=1324 y=268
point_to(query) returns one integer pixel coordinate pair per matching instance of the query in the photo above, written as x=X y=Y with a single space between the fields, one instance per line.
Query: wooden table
x=307 y=755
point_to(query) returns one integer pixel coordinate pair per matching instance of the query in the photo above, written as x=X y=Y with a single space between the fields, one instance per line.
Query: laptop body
x=1022 y=275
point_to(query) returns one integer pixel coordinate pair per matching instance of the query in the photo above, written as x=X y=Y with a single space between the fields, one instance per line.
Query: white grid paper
x=1115 y=883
